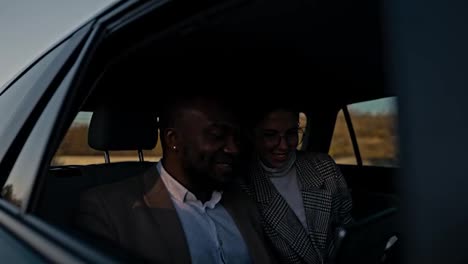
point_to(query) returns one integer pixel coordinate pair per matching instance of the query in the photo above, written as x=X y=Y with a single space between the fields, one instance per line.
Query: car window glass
x=341 y=148
x=22 y=177
x=28 y=79
x=302 y=130
x=374 y=123
x=21 y=97
x=13 y=99
x=74 y=148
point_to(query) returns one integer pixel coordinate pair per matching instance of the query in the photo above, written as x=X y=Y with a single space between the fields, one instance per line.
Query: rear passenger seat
x=110 y=130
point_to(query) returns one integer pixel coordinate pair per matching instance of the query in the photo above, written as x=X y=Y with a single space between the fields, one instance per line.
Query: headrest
x=112 y=129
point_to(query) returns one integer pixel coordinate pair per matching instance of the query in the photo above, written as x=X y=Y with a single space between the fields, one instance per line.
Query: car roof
x=254 y=46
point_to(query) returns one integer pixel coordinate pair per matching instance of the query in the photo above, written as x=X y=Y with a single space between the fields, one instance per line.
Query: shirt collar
x=181 y=194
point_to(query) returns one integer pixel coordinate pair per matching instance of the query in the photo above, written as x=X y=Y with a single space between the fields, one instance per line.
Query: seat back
x=115 y=130
x=109 y=130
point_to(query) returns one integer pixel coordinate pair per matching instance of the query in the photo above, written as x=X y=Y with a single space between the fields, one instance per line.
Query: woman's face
x=277 y=137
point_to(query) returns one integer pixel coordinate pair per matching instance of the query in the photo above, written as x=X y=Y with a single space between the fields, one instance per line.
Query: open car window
x=374 y=125
x=75 y=150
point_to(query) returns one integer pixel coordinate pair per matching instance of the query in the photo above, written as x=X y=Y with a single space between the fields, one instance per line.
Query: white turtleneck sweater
x=285 y=181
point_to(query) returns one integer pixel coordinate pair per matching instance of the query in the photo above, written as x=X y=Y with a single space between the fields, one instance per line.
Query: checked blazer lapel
x=317 y=202
x=279 y=218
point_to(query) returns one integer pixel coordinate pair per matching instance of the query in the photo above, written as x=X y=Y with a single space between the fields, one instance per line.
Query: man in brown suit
x=184 y=209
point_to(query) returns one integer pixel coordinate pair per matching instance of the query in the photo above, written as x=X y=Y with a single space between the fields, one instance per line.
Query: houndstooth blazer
x=327 y=205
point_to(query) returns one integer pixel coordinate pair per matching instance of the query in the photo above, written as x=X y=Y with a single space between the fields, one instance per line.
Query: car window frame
x=351 y=132
x=352 y=135
x=55 y=245
x=23 y=122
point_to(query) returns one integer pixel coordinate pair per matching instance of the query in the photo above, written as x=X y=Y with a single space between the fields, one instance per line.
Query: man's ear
x=171 y=138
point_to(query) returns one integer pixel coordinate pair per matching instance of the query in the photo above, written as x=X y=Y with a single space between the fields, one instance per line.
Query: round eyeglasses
x=293 y=137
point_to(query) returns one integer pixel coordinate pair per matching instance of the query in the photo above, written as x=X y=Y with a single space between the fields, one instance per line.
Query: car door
x=24 y=102
x=47 y=106
x=32 y=105
x=365 y=147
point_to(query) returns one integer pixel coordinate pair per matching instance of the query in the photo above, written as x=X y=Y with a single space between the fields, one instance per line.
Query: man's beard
x=202 y=174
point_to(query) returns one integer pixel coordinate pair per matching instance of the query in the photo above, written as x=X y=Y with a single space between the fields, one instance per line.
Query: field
x=376 y=136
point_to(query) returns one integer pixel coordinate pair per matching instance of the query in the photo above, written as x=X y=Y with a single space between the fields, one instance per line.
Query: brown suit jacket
x=138 y=214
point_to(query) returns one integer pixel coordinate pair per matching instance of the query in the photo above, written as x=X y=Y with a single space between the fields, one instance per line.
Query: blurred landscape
x=75 y=150
x=376 y=135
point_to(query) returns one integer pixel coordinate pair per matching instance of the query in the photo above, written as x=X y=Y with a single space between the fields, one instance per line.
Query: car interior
x=321 y=63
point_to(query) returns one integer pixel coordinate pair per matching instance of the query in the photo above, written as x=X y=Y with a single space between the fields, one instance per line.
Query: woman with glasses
x=302 y=197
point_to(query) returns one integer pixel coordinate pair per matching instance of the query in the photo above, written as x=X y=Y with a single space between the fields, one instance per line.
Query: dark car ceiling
x=310 y=52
